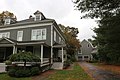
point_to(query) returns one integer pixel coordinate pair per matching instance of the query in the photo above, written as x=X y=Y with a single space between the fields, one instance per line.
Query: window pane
x=19 y=35
x=8 y=35
x=43 y=34
x=39 y=35
x=34 y=33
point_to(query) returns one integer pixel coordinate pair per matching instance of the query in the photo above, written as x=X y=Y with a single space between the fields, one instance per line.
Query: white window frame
x=44 y=34
x=5 y=34
x=38 y=16
x=55 y=36
x=19 y=35
x=7 y=21
x=38 y=34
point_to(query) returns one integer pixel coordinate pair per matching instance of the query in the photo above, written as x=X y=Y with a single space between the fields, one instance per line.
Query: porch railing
x=46 y=61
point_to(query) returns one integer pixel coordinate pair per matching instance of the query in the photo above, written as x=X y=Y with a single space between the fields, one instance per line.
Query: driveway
x=99 y=74
x=2 y=67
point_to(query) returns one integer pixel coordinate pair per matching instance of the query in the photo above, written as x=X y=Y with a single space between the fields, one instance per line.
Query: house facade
x=86 y=51
x=38 y=34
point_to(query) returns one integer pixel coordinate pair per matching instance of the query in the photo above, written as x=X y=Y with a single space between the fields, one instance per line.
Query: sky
x=63 y=11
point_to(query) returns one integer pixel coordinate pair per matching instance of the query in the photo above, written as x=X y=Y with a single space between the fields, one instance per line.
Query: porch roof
x=9 y=42
x=59 y=45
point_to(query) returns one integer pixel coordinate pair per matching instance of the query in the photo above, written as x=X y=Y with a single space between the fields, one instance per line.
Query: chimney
x=30 y=17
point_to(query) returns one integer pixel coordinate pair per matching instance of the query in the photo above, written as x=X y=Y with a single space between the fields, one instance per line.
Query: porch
x=59 y=56
x=40 y=49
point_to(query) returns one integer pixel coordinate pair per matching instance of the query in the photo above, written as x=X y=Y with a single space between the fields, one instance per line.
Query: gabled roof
x=32 y=20
x=8 y=39
x=37 y=12
x=88 y=42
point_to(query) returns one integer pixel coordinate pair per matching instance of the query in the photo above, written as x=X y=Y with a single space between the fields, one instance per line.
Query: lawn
x=4 y=76
x=76 y=74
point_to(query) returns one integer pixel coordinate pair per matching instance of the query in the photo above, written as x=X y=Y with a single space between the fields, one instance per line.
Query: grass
x=76 y=74
x=4 y=76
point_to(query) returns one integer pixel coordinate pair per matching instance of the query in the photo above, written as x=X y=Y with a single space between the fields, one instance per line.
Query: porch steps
x=2 y=67
x=57 y=65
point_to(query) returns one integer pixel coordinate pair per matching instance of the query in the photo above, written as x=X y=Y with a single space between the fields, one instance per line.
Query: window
x=37 y=17
x=5 y=34
x=19 y=35
x=43 y=34
x=59 y=39
x=88 y=45
x=54 y=35
x=38 y=34
x=7 y=21
x=85 y=56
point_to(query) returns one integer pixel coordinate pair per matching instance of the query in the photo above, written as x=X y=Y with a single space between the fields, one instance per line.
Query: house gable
x=6 y=41
x=86 y=47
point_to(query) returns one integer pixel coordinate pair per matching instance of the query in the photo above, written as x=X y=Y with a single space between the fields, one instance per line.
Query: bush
x=22 y=73
x=24 y=57
x=11 y=72
x=8 y=62
x=35 y=71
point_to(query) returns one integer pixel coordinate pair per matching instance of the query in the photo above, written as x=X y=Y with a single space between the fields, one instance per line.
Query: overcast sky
x=60 y=10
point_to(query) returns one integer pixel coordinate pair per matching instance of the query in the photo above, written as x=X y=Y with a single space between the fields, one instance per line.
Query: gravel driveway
x=97 y=73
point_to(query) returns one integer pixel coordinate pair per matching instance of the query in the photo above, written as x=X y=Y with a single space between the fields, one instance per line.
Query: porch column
x=41 y=54
x=62 y=55
x=14 y=49
x=51 y=55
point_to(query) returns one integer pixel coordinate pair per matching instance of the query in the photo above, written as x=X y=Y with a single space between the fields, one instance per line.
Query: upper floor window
x=19 y=35
x=38 y=34
x=5 y=34
x=54 y=35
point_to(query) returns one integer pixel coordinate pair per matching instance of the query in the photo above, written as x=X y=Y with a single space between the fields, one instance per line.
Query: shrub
x=35 y=71
x=11 y=72
x=8 y=62
x=25 y=57
x=22 y=73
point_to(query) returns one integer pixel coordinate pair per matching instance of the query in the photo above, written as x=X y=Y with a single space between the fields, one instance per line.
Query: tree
x=107 y=37
x=108 y=31
x=98 y=8
x=6 y=14
x=72 y=42
x=94 y=42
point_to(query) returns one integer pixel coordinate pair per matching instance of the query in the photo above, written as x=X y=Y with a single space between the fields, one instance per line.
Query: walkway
x=2 y=67
x=97 y=73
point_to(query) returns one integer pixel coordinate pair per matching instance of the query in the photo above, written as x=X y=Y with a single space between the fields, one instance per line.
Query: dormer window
x=7 y=21
x=39 y=16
